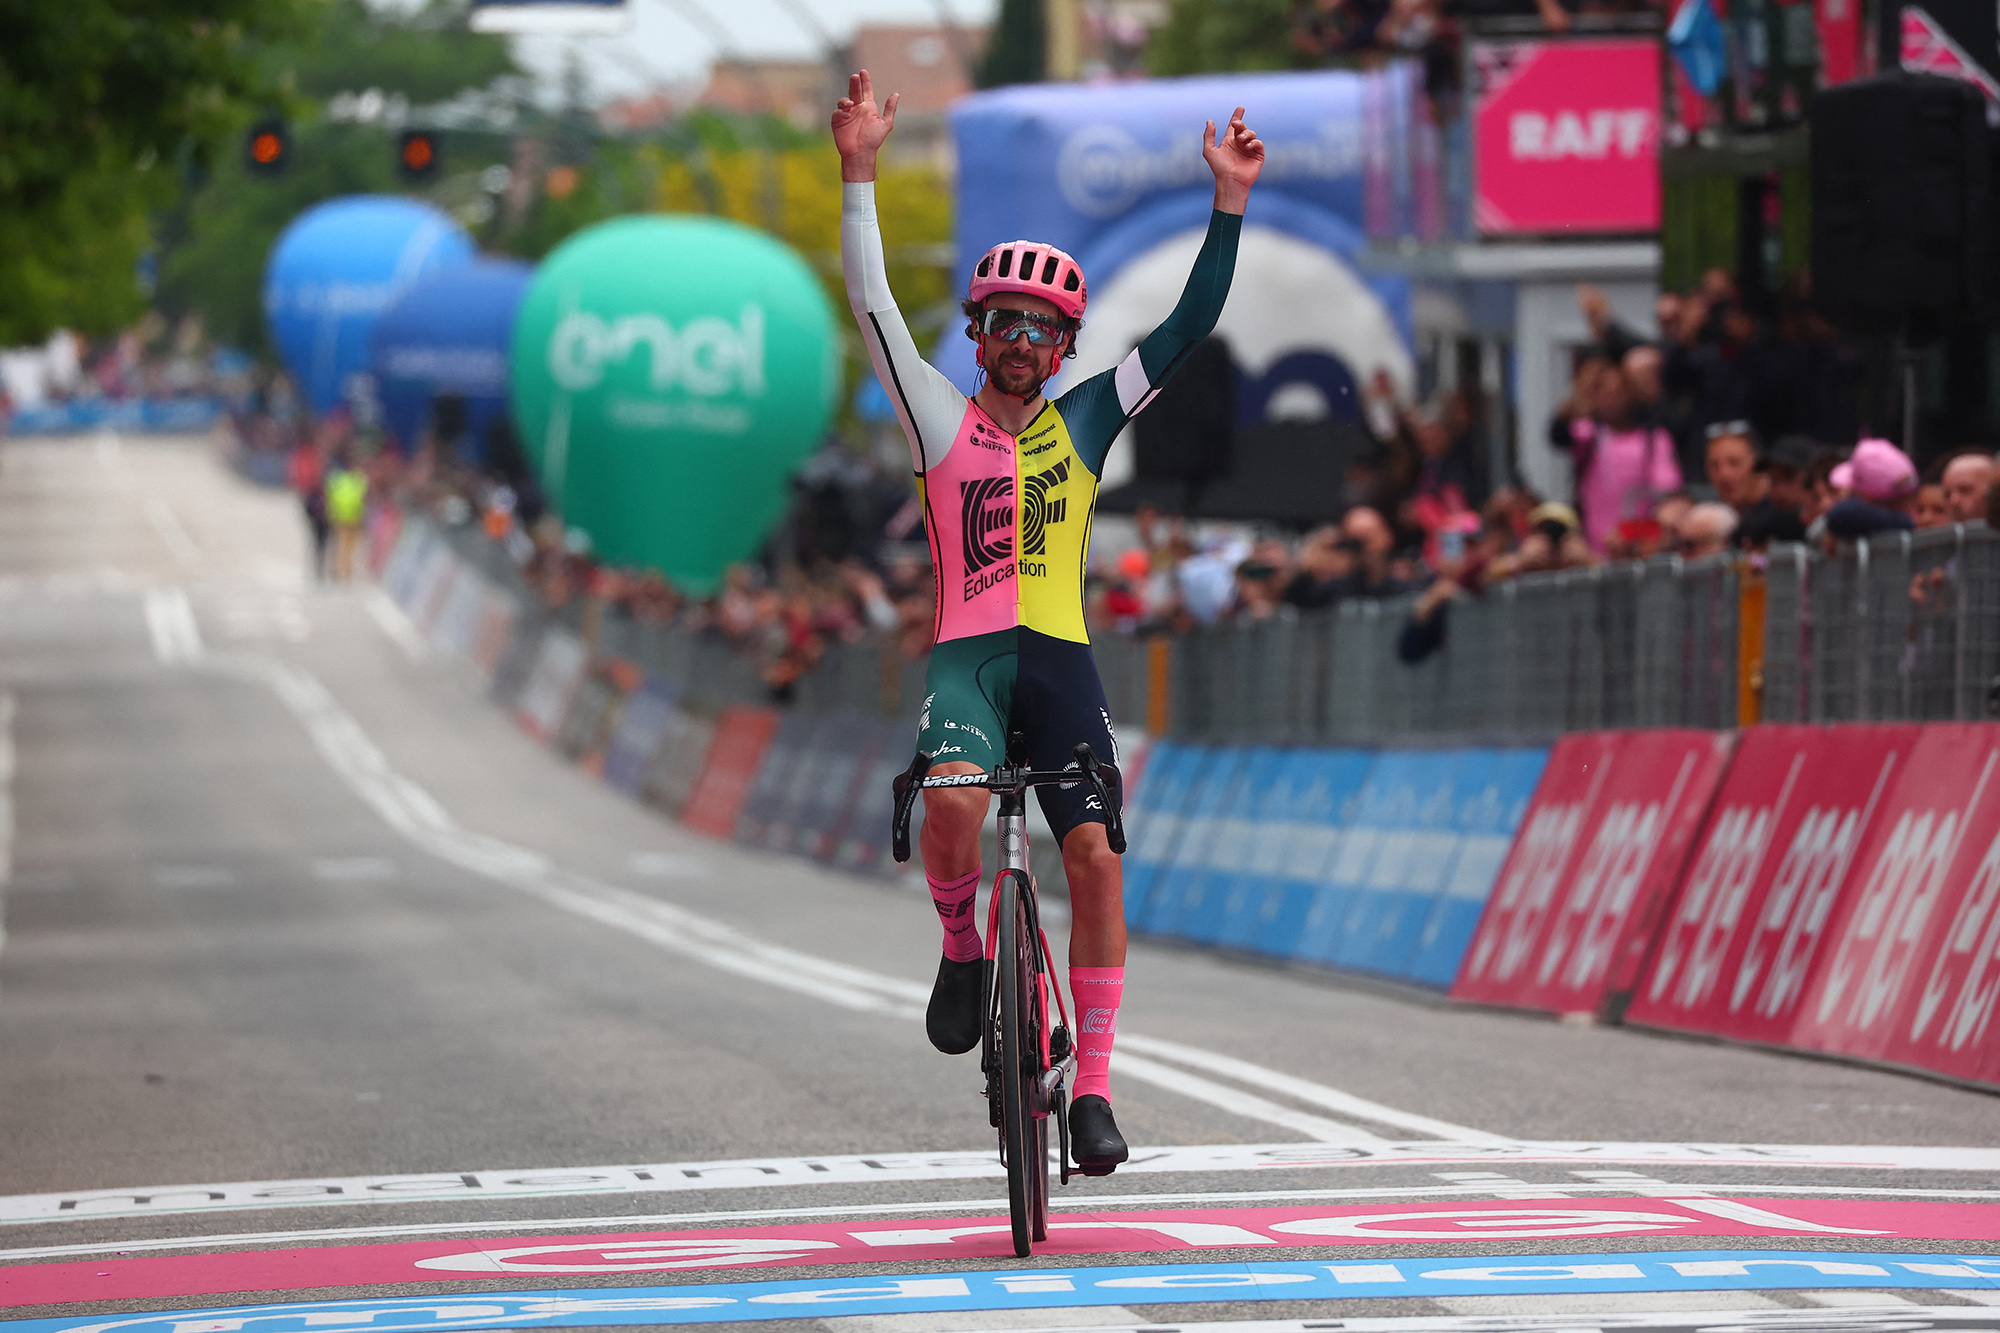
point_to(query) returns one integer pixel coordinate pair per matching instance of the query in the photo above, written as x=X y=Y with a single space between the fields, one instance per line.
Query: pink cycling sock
x=955 y=900
x=1096 y=991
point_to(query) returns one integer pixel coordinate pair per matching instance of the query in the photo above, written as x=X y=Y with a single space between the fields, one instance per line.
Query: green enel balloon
x=668 y=374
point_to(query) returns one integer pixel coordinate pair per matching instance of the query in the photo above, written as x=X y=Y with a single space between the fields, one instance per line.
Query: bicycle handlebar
x=909 y=782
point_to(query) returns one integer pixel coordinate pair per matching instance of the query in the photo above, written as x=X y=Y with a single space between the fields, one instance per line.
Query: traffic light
x=268 y=148
x=419 y=154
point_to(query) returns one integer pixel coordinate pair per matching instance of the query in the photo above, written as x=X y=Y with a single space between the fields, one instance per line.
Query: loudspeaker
x=1185 y=434
x=1902 y=200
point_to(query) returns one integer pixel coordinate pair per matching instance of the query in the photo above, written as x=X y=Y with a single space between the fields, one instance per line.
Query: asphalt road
x=323 y=983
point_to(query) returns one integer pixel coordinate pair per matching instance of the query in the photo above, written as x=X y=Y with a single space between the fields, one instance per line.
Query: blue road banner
x=1054 y=1286
x=1208 y=902
x=1154 y=817
x=1166 y=907
x=642 y=727
x=1489 y=813
x=1325 y=783
x=1258 y=873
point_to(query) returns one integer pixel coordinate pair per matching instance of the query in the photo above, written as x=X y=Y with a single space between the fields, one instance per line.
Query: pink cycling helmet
x=1033 y=269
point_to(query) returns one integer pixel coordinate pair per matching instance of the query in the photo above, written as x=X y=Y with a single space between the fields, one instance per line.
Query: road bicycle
x=1027 y=1060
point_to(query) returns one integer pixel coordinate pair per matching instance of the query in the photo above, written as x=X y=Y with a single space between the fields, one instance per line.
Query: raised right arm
x=928 y=405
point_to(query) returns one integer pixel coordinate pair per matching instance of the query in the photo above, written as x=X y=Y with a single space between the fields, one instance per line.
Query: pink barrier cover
x=1598 y=855
x=742 y=735
x=1911 y=964
x=1739 y=946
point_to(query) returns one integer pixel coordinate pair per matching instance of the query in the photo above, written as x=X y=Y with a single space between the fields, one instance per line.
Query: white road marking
x=171 y=532
x=1853 y=1298
x=1560 y=1304
x=1645 y=1187
x=666 y=865
x=1484 y=1183
x=6 y=804
x=1271 y=1080
x=170 y=620
x=1608 y=1312
x=194 y=877
x=792 y=1172
x=354 y=868
x=389 y=618
x=417 y=815
x=1248 y=1105
x=1096 y=1318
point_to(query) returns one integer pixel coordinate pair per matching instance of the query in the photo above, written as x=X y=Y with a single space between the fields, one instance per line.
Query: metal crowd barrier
x=1638 y=644
x=1905 y=627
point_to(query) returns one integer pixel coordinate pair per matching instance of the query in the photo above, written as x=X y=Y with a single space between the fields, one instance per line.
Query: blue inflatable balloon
x=333 y=272
x=449 y=334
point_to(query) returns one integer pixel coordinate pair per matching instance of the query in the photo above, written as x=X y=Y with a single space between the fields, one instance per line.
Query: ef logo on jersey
x=987 y=518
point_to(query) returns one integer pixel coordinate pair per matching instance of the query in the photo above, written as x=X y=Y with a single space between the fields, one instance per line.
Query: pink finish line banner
x=1566 y=136
x=150 y=1277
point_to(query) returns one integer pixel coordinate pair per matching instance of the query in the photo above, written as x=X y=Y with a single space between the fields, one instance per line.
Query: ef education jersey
x=1008 y=517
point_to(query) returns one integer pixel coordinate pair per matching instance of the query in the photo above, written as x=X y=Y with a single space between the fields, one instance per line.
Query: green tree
x=215 y=242
x=1224 y=36
x=1017 y=52
x=427 y=55
x=97 y=99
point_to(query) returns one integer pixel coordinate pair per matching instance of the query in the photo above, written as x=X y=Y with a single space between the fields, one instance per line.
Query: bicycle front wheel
x=1023 y=1139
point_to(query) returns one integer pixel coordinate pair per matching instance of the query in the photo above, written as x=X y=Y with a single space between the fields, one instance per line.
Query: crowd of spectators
x=814 y=586
x=1343 y=31
x=1702 y=441
x=153 y=361
x=1713 y=438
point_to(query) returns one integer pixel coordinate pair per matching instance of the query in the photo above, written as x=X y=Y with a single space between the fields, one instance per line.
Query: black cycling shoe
x=1094 y=1139
x=953 y=1017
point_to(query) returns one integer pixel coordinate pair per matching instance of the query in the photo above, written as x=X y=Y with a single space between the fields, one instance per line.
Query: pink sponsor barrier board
x=1592 y=869
x=1911 y=964
x=1737 y=951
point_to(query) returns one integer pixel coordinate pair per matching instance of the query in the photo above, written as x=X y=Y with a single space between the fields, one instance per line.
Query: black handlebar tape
x=906 y=787
x=1114 y=819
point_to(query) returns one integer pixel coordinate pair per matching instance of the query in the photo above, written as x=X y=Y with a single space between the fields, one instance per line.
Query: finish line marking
x=769 y=1172
x=985 y=1238
x=1051 y=1287
x=1060 y=1205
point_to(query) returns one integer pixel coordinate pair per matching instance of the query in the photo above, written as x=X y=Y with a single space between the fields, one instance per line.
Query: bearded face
x=1019 y=366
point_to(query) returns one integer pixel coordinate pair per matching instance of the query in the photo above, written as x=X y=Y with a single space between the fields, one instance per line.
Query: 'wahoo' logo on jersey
x=987 y=521
x=1037 y=510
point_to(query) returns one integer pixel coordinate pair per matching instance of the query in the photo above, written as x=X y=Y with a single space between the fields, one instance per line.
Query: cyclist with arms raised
x=1009 y=480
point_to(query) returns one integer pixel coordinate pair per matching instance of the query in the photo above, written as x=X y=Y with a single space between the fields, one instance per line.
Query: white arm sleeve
x=928 y=405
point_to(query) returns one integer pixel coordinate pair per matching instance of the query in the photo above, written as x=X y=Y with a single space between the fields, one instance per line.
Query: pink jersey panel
x=973 y=516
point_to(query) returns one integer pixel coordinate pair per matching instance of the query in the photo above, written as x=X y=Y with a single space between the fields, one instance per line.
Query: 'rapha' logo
x=1037 y=510
x=987 y=520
